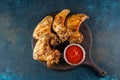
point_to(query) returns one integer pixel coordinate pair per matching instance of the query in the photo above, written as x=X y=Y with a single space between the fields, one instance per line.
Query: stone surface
x=18 y=18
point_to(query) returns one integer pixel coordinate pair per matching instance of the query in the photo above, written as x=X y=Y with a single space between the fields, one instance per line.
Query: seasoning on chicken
x=44 y=28
x=59 y=27
x=43 y=52
x=73 y=23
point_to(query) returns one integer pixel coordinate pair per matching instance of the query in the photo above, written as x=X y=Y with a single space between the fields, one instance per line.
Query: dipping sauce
x=74 y=54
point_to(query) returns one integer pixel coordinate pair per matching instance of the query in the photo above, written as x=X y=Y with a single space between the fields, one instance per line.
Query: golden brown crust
x=73 y=23
x=45 y=37
x=43 y=52
x=59 y=27
x=43 y=28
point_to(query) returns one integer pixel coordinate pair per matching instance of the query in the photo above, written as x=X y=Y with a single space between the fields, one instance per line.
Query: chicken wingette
x=59 y=25
x=44 y=28
x=73 y=23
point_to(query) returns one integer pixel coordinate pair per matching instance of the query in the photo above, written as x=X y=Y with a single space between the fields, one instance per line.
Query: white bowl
x=82 y=51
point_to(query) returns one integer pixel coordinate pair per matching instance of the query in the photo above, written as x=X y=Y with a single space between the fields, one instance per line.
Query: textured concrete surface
x=18 y=19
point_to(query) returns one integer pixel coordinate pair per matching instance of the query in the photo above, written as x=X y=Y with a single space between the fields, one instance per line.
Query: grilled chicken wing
x=45 y=38
x=43 y=51
x=59 y=27
x=73 y=23
x=44 y=28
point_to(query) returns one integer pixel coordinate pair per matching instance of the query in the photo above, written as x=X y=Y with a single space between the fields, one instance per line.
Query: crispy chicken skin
x=44 y=28
x=43 y=52
x=73 y=23
x=59 y=27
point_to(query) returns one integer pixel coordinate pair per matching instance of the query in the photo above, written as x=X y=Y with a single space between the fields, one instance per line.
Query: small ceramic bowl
x=71 y=51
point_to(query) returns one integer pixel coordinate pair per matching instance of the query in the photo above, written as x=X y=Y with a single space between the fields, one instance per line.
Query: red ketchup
x=74 y=54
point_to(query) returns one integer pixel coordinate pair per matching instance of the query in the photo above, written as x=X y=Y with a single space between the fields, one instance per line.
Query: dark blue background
x=18 y=18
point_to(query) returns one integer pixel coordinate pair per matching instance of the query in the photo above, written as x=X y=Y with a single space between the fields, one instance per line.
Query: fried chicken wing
x=59 y=27
x=43 y=52
x=44 y=28
x=73 y=23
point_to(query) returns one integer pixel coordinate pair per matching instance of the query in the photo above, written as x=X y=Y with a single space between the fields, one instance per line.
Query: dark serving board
x=87 y=43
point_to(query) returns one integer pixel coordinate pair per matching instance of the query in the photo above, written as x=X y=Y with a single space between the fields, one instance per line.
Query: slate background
x=18 y=18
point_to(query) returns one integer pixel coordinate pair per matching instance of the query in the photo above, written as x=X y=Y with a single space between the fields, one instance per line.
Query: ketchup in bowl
x=74 y=54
